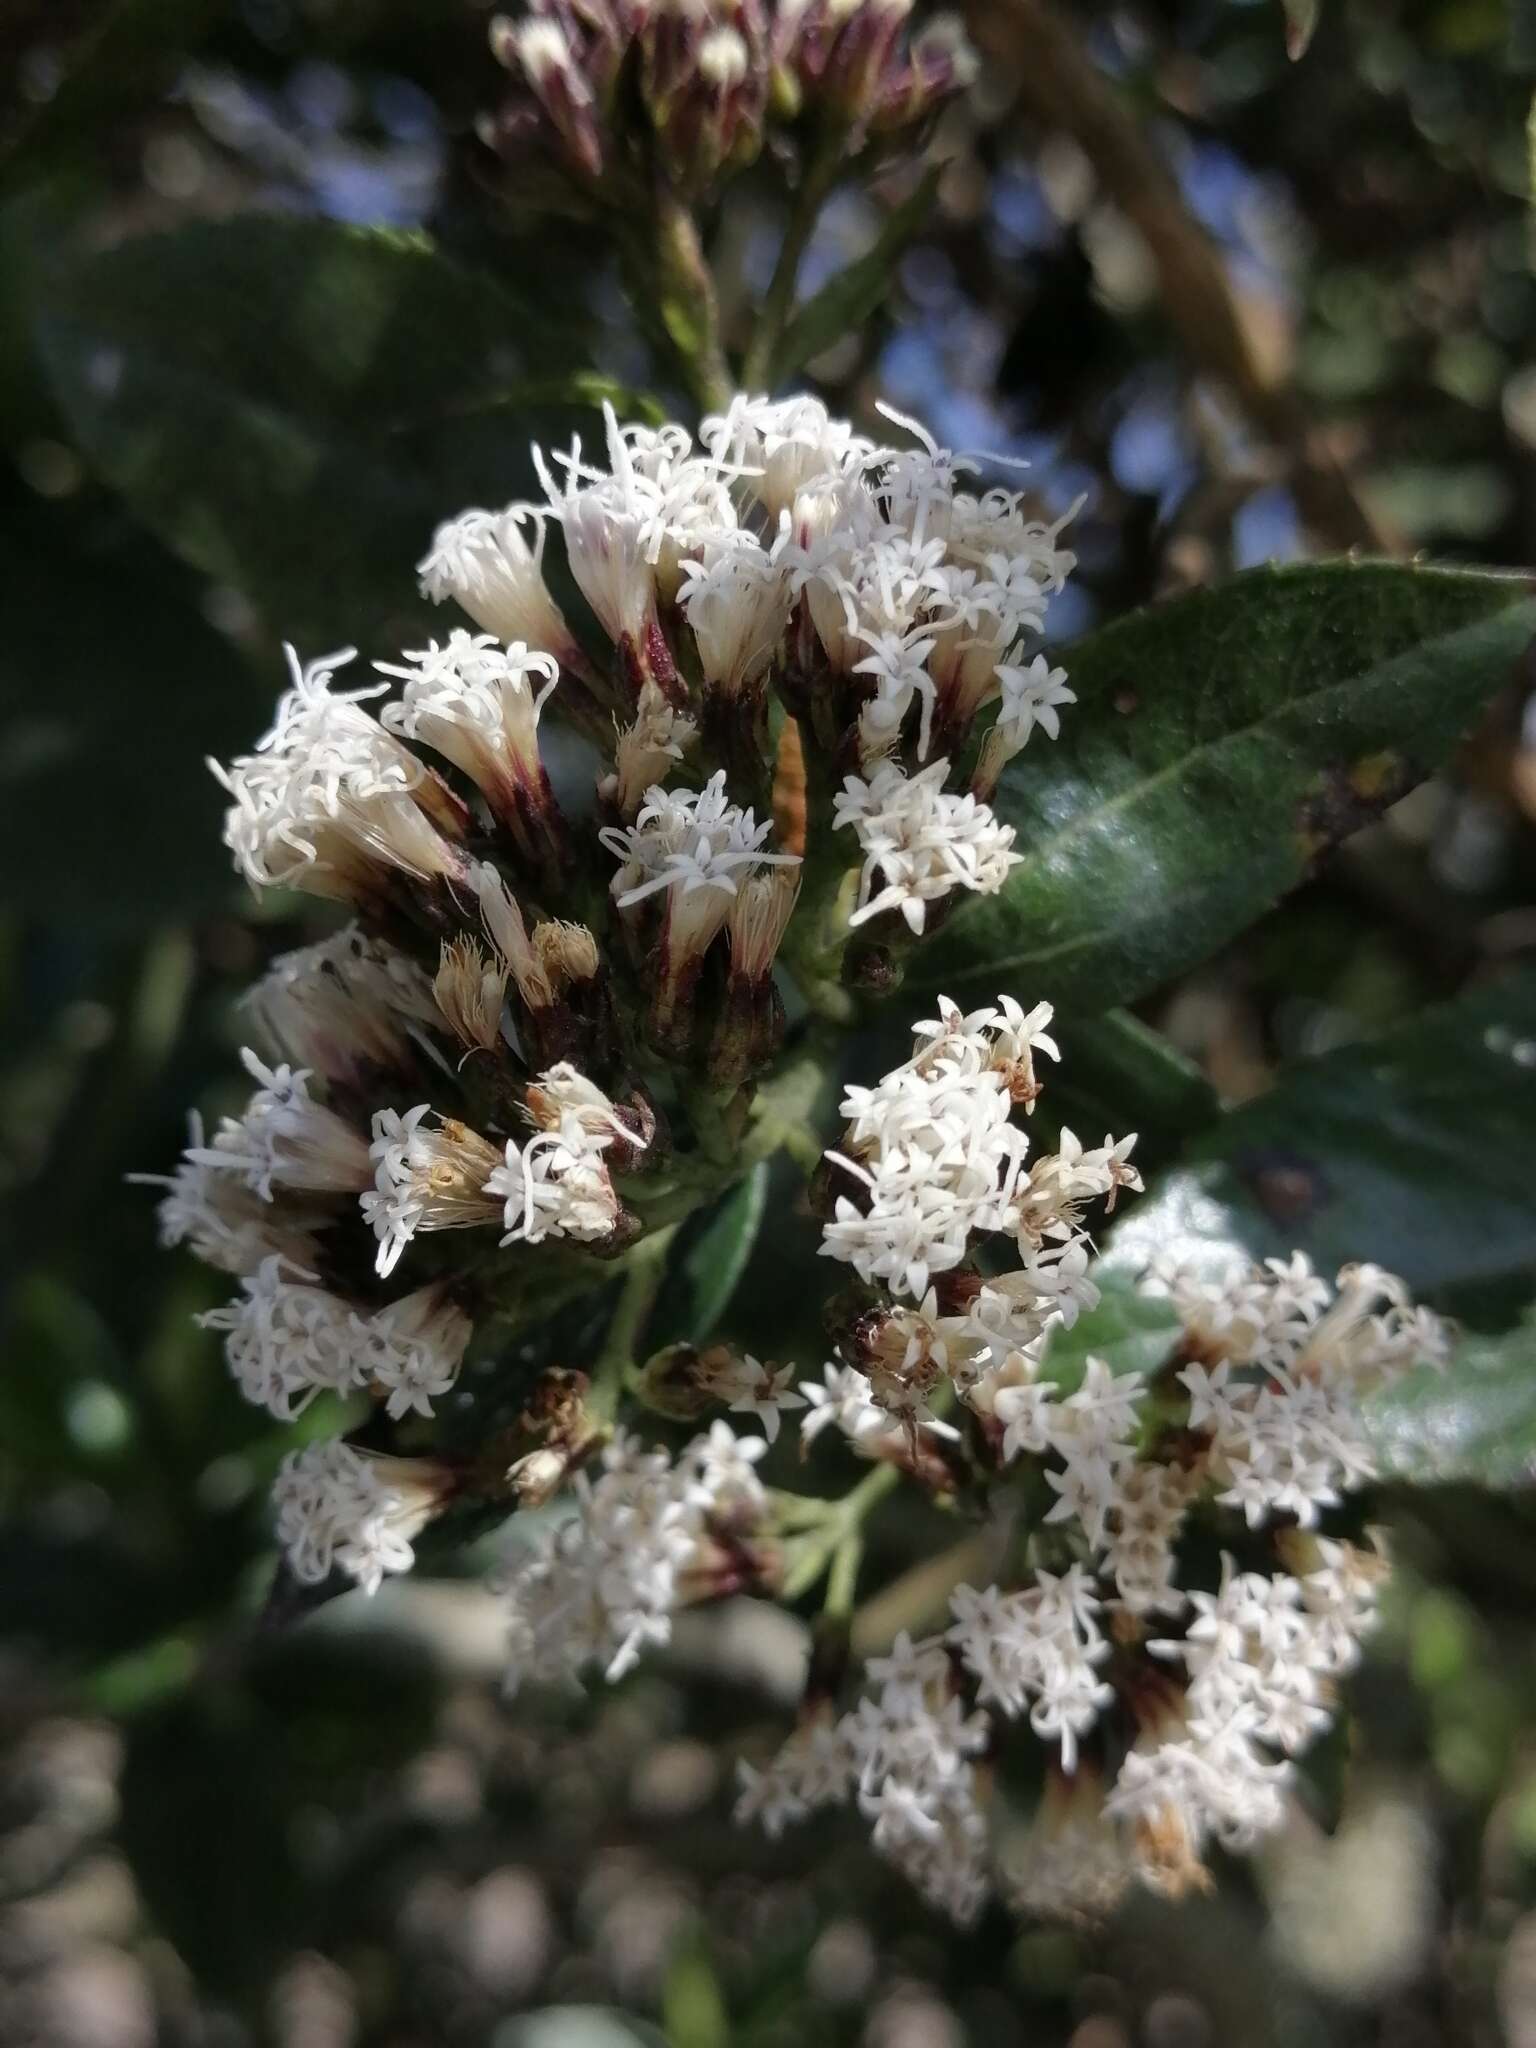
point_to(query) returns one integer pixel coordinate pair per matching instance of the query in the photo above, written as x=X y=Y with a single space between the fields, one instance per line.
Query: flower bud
x=677 y=1382
x=940 y=64
x=579 y=1023
x=751 y=1025
x=471 y=992
x=540 y=55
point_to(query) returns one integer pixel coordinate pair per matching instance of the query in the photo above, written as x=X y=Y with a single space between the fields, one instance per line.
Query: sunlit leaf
x=1412 y=1150
x=1221 y=745
x=1132 y=1332
x=1474 y=1422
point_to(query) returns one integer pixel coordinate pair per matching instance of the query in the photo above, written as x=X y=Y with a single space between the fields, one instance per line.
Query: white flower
x=842 y=1400
x=286 y=1338
x=476 y=701
x=286 y=1137
x=1031 y=697
x=921 y=841
x=413 y=1349
x=210 y=1208
x=1151 y=1502
x=813 y=1768
x=687 y=841
x=601 y=1585
x=427 y=1176
x=352 y=1511
x=610 y=522
x=1037 y=1651
x=736 y=598
x=556 y=1185
x=907 y=1753
x=937 y=1158
x=750 y=1388
x=331 y=803
x=483 y=560
x=782 y=447
x=646 y=751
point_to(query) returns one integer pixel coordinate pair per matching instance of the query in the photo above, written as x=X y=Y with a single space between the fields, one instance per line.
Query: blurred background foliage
x=226 y=419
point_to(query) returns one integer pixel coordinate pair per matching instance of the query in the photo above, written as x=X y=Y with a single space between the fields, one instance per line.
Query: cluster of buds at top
x=1184 y=1588
x=605 y=91
x=512 y=1040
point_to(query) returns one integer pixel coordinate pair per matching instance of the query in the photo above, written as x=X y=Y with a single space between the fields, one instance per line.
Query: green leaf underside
x=700 y=1285
x=1222 y=743
x=293 y=405
x=1474 y=1423
x=1413 y=1151
x=1132 y=1332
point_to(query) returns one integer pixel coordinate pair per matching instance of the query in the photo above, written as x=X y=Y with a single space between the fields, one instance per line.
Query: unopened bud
x=579 y=1024
x=678 y=1382
x=503 y=921
x=471 y=990
x=751 y=1026
x=540 y=55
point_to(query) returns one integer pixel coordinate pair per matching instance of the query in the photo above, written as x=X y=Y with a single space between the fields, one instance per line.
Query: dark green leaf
x=1131 y=1332
x=294 y=405
x=131 y=52
x=116 y=687
x=1119 y=1074
x=850 y=295
x=714 y=1257
x=1475 y=1422
x=1413 y=1150
x=1221 y=744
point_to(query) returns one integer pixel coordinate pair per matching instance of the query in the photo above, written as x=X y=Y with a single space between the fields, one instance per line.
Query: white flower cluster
x=648 y=1535
x=1279 y=1369
x=920 y=841
x=338 y=1509
x=269 y=1198
x=934 y=1161
x=434 y=1173
x=890 y=605
x=1110 y=1642
x=288 y=1339
x=907 y=1753
x=1208 y=1763
x=329 y=798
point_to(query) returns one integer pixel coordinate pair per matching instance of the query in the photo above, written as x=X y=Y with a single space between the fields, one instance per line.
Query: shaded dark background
x=339 y=1837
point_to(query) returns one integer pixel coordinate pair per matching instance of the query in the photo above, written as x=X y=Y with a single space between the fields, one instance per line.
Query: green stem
x=689 y=308
x=757 y=372
x=843 y=1524
x=818 y=936
x=637 y=1297
x=843 y=1578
